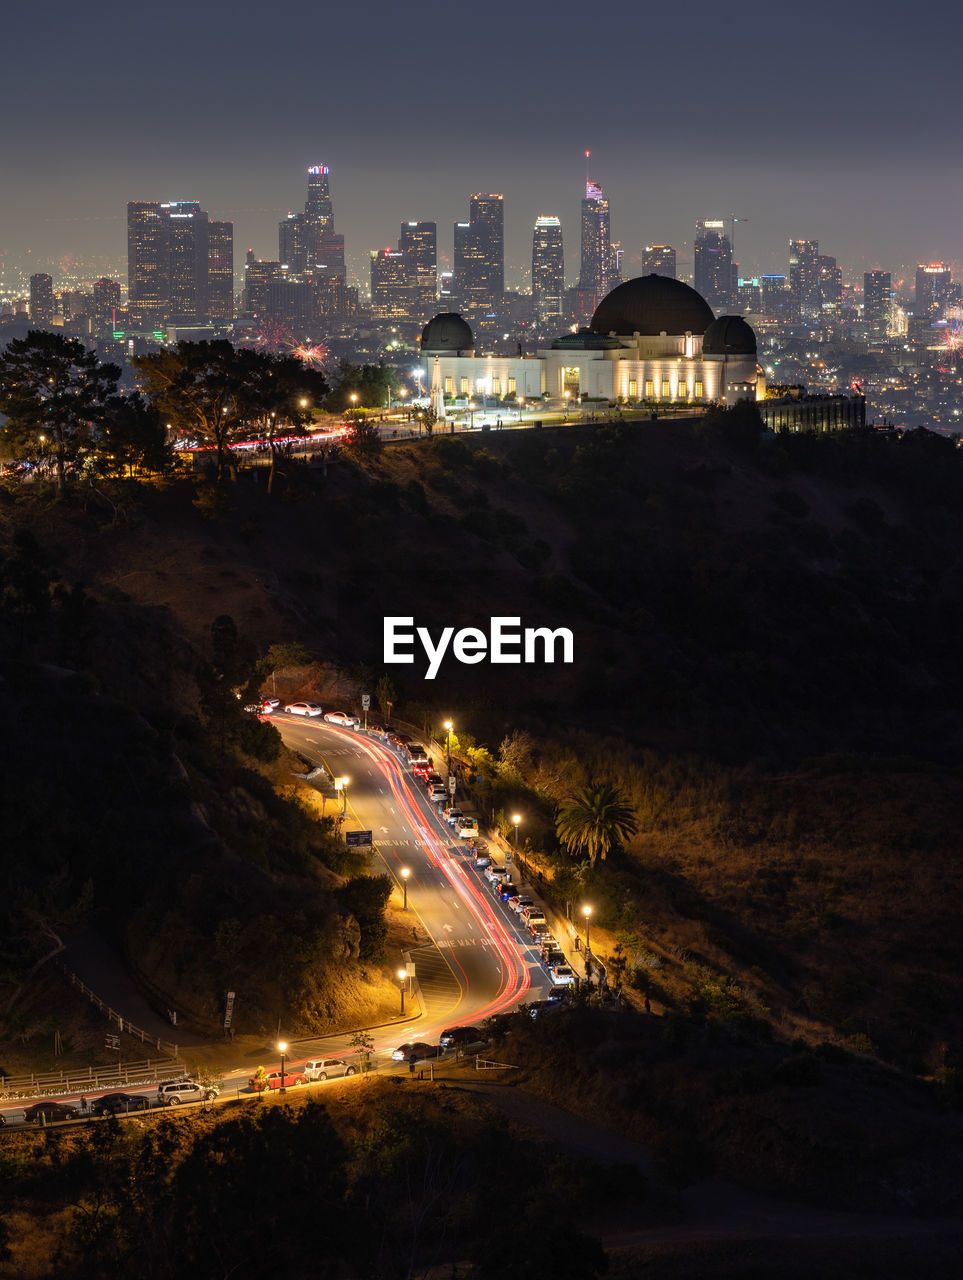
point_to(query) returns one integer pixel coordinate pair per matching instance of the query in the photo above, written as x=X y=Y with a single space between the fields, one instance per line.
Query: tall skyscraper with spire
x=598 y=271
x=307 y=242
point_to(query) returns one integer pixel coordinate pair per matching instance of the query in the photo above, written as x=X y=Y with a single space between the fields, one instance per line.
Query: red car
x=272 y=1080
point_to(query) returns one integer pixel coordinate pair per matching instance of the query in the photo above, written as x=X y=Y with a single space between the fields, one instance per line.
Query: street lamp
x=516 y=818
x=405 y=873
x=521 y=406
x=471 y=410
x=587 y=913
x=283 y=1046
x=448 y=729
x=402 y=978
x=354 y=398
x=568 y=396
x=341 y=784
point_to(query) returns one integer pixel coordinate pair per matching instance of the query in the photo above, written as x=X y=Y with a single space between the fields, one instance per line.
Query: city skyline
x=833 y=159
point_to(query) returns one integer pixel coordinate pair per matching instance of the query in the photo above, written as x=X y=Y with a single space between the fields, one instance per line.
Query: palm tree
x=596 y=821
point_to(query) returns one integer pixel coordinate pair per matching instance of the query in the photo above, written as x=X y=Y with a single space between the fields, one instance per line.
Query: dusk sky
x=824 y=121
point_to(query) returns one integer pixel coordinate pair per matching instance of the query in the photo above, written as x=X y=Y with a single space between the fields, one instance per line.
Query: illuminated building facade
x=548 y=268
x=106 y=302
x=877 y=299
x=651 y=339
x=390 y=290
x=480 y=254
x=419 y=244
x=933 y=284
x=221 y=271
x=804 y=276
x=41 y=298
x=307 y=242
x=596 y=269
x=713 y=263
x=189 y=227
x=148 y=264
x=659 y=260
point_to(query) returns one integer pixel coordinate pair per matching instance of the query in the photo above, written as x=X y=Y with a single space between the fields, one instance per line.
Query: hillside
x=766 y=636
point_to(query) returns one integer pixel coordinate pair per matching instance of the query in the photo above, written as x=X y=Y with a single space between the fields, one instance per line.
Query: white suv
x=174 y=1092
x=328 y=1068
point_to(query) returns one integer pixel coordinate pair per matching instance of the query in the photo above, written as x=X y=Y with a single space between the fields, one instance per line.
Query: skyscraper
x=41 y=298
x=180 y=265
x=713 y=264
x=480 y=254
x=419 y=244
x=148 y=264
x=932 y=289
x=390 y=291
x=830 y=283
x=307 y=242
x=877 y=299
x=221 y=271
x=548 y=268
x=804 y=276
x=106 y=301
x=659 y=260
x=596 y=247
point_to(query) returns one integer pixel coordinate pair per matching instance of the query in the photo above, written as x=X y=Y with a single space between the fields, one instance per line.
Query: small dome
x=447 y=333
x=650 y=305
x=729 y=336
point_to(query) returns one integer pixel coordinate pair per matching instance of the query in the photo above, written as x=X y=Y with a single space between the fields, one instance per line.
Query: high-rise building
x=307 y=242
x=877 y=299
x=480 y=254
x=106 y=302
x=189 y=259
x=595 y=270
x=804 y=276
x=390 y=291
x=830 y=283
x=221 y=271
x=713 y=264
x=419 y=244
x=180 y=265
x=548 y=268
x=148 y=264
x=41 y=298
x=658 y=260
x=933 y=286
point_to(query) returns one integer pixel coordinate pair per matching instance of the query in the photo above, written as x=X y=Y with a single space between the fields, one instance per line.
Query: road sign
x=354 y=839
x=112 y=1042
x=228 y=1010
x=365 y=701
x=451 y=784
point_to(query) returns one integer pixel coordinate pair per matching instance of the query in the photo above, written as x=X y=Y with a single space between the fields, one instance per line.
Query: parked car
x=437 y=793
x=270 y=704
x=50 y=1111
x=453 y=816
x=327 y=1068
x=532 y=913
x=418 y=755
x=551 y=956
x=506 y=889
x=460 y=1036
x=112 y=1104
x=559 y=995
x=562 y=975
x=539 y=931
x=421 y=769
x=272 y=1080
x=467 y=828
x=481 y=858
x=303 y=709
x=342 y=718
x=520 y=902
x=414 y=1051
x=174 y=1092
x=432 y=779
x=545 y=1006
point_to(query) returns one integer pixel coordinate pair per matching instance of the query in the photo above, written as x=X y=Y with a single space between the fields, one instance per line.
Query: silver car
x=327 y=1069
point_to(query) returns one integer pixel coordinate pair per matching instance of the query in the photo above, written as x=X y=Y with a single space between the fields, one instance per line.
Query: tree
x=230 y=679
x=135 y=435
x=53 y=388
x=596 y=821
x=364 y=1043
x=371 y=384
x=276 y=390
x=385 y=693
x=198 y=387
x=365 y=441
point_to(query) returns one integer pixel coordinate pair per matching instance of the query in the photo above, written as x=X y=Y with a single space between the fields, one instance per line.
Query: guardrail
x=87 y=1079
x=123 y=1024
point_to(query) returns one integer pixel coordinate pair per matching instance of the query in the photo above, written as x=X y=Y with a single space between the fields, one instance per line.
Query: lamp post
x=568 y=396
x=587 y=913
x=354 y=399
x=516 y=818
x=283 y=1046
x=521 y=406
x=344 y=794
x=402 y=978
x=471 y=410
x=448 y=729
x=405 y=873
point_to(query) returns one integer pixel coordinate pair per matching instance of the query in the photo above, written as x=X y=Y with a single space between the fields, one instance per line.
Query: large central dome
x=650 y=305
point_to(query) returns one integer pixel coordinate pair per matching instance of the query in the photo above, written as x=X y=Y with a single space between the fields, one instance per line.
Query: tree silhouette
x=53 y=388
x=596 y=821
